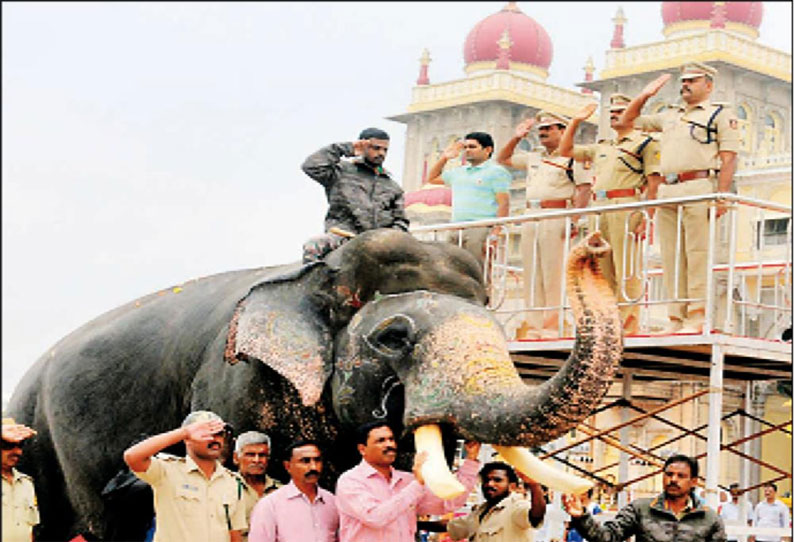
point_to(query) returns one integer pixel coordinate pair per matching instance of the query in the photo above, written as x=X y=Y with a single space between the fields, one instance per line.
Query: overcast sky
x=145 y=144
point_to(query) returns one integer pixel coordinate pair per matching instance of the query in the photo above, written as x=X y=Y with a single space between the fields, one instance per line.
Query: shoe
x=694 y=325
x=631 y=326
x=674 y=326
x=525 y=332
x=547 y=334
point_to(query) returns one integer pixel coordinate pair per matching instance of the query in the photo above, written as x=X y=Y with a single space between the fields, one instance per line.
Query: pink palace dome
x=684 y=17
x=530 y=46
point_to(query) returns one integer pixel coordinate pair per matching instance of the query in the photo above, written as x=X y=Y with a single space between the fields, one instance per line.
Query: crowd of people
x=195 y=498
x=683 y=150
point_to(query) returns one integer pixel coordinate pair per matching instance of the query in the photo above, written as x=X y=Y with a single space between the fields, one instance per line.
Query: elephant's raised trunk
x=492 y=403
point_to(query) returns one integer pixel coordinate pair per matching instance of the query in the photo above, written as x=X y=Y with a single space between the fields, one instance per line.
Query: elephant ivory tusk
x=523 y=460
x=435 y=471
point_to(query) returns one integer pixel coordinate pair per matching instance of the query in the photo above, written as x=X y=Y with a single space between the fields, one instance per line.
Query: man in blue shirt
x=480 y=188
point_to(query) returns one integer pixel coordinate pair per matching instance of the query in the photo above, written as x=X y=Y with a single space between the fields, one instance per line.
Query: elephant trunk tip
x=596 y=244
x=592 y=246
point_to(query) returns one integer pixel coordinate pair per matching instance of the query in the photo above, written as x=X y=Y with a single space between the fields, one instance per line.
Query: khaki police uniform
x=20 y=509
x=250 y=497
x=619 y=168
x=188 y=506
x=543 y=242
x=691 y=139
x=506 y=521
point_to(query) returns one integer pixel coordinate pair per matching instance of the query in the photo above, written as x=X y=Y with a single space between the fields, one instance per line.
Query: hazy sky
x=145 y=144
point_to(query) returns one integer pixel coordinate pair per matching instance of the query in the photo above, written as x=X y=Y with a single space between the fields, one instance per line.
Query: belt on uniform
x=547 y=203
x=673 y=178
x=617 y=193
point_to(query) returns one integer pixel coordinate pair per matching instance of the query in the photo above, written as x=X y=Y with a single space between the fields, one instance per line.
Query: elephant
x=386 y=327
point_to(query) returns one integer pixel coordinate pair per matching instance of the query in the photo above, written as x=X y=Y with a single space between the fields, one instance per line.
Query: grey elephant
x=386 y=327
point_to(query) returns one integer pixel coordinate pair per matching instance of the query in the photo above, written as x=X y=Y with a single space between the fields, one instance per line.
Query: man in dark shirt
x=676 y=514
x=361 y=194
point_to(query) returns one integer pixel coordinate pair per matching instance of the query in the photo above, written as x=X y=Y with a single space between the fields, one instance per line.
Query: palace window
x=771 y=232
x=745 y=127
x=772 y=126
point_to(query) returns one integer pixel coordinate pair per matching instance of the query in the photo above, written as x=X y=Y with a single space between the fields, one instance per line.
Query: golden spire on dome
x=589 y=67
x=505 y=42
x=619 y=17
x=425 y=59
x=512 y=6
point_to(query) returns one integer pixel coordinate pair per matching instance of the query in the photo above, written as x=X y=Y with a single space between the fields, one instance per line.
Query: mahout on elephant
x=386 y=327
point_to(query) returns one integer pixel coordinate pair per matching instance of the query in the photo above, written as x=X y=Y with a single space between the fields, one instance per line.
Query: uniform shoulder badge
x=234 y=473
x=168 y=457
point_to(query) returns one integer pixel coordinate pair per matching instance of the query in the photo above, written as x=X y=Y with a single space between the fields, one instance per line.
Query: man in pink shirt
x=300 y=511
x=378 y=503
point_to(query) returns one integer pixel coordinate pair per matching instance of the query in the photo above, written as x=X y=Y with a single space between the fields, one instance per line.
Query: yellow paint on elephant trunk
x=477 y=350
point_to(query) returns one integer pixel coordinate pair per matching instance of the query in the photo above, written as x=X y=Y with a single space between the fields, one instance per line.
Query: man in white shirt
x=734 y=512
x=770 y=512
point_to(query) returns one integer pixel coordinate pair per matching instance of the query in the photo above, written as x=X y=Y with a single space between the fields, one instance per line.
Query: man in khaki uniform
x=699 y=142
x=20 y=511
x=195 y=497
x=252 y=455
x=552 y=183
x=505 y=516
x=621 y=168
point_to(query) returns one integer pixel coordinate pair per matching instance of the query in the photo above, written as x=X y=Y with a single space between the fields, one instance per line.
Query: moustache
x=213 y=445
x=313 y=473
x=387 y=450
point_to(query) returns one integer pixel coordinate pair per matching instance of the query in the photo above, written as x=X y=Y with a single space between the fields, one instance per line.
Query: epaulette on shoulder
x=720 y=104
x=235 y=474
x=168 y=457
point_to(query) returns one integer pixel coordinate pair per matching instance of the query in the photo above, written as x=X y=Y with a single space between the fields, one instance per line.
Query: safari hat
x=547 y=118
x=691 y=70
x=618 y=102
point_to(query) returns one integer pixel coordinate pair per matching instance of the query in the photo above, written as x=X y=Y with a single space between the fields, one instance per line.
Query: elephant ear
x=283 y=323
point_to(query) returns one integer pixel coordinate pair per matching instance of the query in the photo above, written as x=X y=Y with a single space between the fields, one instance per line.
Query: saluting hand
x=360 y=146
x=453 y=150
x=585 y=112
x=524 y=127
x=16 y=432
x=654 y=86
x=573 y=505
x=204 y=431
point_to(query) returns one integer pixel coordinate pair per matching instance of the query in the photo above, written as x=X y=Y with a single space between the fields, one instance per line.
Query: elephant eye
x=394 y=336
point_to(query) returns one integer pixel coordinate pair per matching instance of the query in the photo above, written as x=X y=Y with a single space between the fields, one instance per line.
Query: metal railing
x=748 y=283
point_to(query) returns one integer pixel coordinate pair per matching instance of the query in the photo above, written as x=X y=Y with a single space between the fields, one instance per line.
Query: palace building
x=507 y=58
